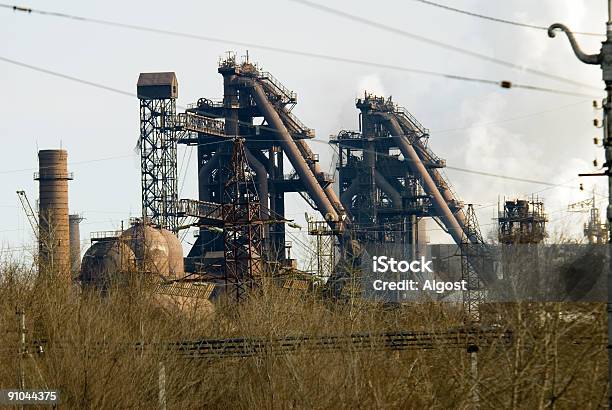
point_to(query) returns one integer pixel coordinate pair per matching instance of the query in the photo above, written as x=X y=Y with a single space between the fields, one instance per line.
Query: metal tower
x=325 y=247
x=595 y=231
x=242 y=226
x=157 y=93
x=471 y=251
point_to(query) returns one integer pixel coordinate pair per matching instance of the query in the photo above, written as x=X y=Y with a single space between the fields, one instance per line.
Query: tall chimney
x=54 y=236
x=75 y=244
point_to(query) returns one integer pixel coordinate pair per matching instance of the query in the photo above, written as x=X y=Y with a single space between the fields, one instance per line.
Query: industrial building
x=389 y=185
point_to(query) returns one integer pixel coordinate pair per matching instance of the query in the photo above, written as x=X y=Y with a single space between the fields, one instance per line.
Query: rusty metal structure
x=325 y=248
x=522 y=221
x=157 y=93
x=389 y=178
x=380 y=190
x=54 y=233
x=242 y=227
x=257 y=108
x=471 y=257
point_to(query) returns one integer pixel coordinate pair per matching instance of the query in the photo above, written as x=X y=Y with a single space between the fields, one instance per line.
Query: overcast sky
x=519 y=133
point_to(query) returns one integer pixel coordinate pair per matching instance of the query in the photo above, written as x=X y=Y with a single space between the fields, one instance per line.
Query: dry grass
x=92 y=360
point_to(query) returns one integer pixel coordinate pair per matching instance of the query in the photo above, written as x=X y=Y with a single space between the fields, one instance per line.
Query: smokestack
x=75 y=244
x=54 y=236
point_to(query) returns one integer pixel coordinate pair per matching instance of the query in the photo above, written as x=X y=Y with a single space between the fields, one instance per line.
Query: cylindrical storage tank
x=176 y=266
x=54 y=235
x=105 y=264
x=75 y=243
x=150 y=248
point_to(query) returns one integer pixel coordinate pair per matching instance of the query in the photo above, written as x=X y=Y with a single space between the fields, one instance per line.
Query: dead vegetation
x=106 y=352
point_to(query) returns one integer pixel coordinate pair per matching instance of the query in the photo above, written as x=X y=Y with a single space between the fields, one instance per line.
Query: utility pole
x=603 y=59
x=22 y=349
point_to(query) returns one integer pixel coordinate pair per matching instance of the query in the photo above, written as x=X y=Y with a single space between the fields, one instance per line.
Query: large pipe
x=262 y=182
x=75 y=243
x=417 y=167
x=293 y=153
x=388 y=189
x=204 y=175
x=441 y=183
x=347 y=195
x=54 y=233
x=316 y=169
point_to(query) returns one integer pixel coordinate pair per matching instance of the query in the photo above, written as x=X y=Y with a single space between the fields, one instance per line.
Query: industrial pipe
x=291 y=150
x=316 y=169
x=204 y=174
x=388 y=189
x=417 y=167
x=262 y=182
x=441 y=183
x=348 y=194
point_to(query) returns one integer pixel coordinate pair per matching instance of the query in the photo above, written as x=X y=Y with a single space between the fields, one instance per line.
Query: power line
x=500 y=20
x=503 y=84
x=437 y=43
x=65 y=76
x=116 y=90
x=107 y=88
x=522 y=117
x=317 y=55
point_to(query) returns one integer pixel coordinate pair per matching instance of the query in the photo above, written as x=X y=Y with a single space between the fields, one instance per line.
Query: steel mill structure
x=522 y=221
x=389 y=179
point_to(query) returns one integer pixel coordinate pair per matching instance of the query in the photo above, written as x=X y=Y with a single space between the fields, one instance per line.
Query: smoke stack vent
x=54 y=235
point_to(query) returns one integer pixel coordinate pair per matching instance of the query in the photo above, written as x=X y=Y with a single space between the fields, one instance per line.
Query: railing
x=188 y=290
x=209 y=103
x=319 y=228
x=416 y=125
x=53 y=175
x=197 y=123
x=297 y=125
x=280 y=88
x=105 y=235
x=199 y=209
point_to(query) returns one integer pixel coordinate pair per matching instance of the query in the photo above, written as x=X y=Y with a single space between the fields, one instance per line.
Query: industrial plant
x=389 y=184
x=440 y=241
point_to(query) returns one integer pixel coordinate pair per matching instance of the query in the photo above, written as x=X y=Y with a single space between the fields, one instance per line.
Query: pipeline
x=316 y=169
x=426 y=156
x=323 y=203
x=417 y=167
x=204 y=174
x=455 y=223
x=348 y=194
x=309 y=156
x=262 y=182
x=388 y=189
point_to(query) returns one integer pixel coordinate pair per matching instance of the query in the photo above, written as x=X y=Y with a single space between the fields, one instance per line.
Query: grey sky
x=39 y=111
